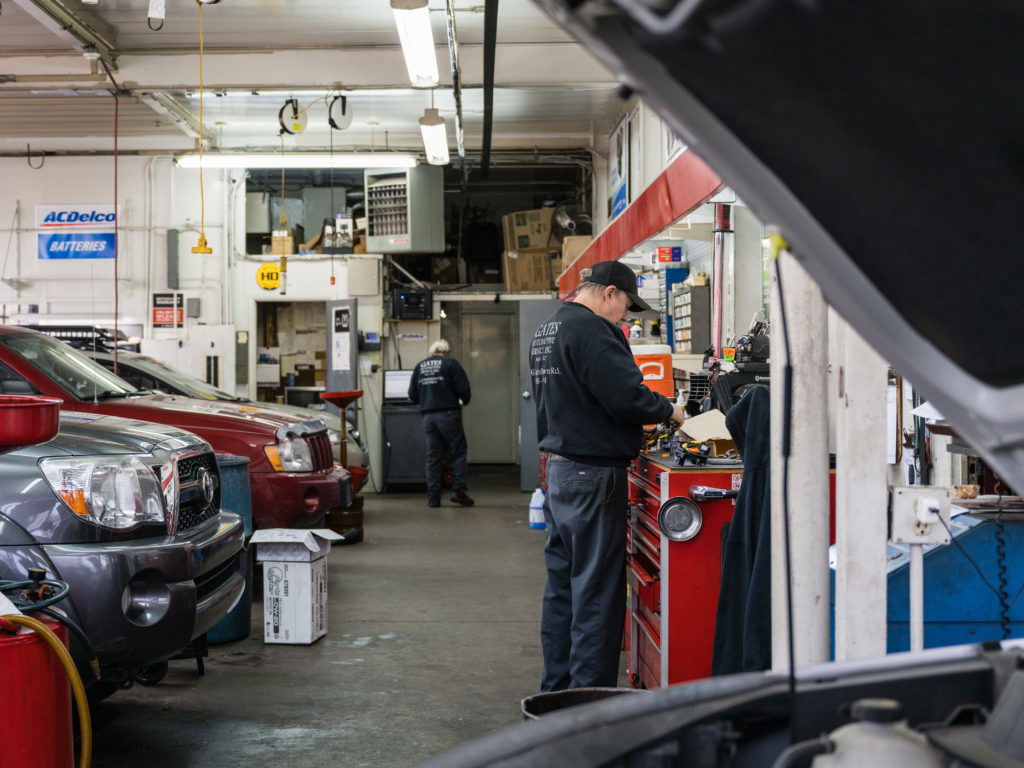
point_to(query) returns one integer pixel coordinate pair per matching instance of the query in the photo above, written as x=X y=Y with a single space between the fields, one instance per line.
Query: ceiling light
x=298 y=160
x=412 y=17
x=90 y=2
x=435 y=138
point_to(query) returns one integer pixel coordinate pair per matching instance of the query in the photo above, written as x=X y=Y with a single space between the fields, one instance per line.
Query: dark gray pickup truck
x=128 y=513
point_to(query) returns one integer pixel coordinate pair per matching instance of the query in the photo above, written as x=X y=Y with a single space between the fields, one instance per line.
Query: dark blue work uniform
x=591 y=408
x=438 y=385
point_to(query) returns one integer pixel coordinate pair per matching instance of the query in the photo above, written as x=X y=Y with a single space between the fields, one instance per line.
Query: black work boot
x=433 y=501
x=461 y=498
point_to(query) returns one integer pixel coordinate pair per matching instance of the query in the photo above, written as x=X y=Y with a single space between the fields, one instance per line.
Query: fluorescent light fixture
x=297 y=160
x=412 y=17
x=435 y=138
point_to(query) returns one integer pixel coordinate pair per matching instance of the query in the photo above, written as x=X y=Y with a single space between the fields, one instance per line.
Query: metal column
x=861 y=498
x=807 y=322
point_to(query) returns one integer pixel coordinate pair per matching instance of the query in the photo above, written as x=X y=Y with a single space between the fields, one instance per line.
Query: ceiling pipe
x=490 y=46
x=69 y=78
x=69 y=27
x=453 y=57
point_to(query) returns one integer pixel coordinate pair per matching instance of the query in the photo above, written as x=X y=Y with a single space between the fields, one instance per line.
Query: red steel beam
x=681 y=187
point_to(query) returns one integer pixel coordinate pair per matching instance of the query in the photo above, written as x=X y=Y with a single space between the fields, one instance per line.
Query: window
x=13 y=384
x=70 y=369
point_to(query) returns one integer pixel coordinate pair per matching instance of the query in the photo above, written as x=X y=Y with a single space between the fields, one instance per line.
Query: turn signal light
x=76 y=500
x=273 y=458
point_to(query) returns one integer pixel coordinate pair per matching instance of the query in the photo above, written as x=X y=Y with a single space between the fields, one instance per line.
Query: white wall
x=154 y=196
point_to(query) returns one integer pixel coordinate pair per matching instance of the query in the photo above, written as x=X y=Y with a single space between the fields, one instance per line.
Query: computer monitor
x=396 y=385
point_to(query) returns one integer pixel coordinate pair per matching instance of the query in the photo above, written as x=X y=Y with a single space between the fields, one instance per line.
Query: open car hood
x=884 y=141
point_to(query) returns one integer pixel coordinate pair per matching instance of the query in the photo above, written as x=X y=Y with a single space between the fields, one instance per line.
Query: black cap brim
x=638 y=304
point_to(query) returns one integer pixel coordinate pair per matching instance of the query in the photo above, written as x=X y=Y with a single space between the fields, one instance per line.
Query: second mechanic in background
x=440 y=387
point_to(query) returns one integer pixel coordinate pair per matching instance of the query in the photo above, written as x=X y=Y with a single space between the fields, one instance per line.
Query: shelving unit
x=691 y=319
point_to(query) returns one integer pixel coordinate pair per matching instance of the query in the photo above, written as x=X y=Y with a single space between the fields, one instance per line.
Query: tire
x=151 y=674
x=102 y=689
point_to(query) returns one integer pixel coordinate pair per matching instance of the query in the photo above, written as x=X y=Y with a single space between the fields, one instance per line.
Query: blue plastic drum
x=235 y=497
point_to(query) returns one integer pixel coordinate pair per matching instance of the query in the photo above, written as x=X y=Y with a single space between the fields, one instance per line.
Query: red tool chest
x=673 y=585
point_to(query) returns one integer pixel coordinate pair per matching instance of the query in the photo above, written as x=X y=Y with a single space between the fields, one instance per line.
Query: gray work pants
x=444 y=430
x=585 y=597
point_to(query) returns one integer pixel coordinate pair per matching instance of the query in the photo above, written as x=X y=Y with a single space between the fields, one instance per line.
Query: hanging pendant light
x=435 y=137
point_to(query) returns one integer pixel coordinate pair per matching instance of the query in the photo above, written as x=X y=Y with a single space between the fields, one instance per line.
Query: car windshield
x=189 y=385
x=69 y=368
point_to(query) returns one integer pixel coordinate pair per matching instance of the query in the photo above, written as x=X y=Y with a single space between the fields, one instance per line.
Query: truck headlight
x=113 y=491
x=290 y=454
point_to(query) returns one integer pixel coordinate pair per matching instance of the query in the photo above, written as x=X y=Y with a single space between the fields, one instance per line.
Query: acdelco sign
x=48 y=216
x=76 y=231
x=70 y=218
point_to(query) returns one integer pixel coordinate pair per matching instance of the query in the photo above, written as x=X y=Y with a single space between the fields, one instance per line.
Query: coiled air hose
x=43 y=606
x=81 y=703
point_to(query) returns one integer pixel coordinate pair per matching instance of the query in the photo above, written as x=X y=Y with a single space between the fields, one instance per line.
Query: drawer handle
x=641 y=573
x=641 y=538
x=707 y=493
x=647 y=630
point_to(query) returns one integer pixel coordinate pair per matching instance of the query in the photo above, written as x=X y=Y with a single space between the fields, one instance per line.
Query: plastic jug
x=537 y=509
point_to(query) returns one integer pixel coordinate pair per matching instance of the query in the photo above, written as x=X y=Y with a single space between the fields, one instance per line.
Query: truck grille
x=193 y=513
x=193 y=506
x=189 y=467
x=212 y=580
x=320 y=448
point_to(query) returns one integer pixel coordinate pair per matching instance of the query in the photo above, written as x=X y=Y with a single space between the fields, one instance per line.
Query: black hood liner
x=900 y=127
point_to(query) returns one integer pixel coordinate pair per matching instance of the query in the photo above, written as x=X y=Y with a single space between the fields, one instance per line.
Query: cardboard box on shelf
x=444 y=269
x=294 y=583
x=527 y=229
x=360 y=246
x=573 y=246
x=557 y=263
x=282 y=241
x=527 y=269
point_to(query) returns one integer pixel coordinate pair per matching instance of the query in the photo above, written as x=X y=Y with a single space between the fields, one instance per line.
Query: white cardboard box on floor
x=294 y=583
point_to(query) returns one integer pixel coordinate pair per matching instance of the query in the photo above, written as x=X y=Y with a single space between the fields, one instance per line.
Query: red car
x=292 y=471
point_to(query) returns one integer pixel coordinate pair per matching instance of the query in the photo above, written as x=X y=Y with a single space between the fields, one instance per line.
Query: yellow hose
x=84 y=722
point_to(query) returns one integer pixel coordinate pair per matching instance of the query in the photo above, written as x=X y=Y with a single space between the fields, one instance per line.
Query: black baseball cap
x=622 y=277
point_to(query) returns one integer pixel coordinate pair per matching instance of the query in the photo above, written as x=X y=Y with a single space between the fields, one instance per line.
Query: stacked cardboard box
x=526 y=262
x=527 y=229
x=528 y=269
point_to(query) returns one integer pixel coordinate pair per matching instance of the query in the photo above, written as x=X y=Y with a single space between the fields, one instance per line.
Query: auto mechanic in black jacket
x=591 y=408
x=441 y=388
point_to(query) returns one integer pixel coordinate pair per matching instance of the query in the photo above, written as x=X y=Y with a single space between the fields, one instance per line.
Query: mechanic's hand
x=677 y=415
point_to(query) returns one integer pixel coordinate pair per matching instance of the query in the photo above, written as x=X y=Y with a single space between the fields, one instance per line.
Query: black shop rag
x=743 y=624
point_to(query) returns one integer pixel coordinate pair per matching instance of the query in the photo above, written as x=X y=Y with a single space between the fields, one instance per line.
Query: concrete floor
x=433 y=640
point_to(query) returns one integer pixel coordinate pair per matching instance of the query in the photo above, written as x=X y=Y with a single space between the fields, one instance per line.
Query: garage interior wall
x=154 y=196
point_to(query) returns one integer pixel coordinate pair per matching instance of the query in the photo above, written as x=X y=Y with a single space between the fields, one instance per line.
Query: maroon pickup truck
x=292 y=472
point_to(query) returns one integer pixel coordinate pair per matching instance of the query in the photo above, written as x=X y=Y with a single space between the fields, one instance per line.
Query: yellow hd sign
x=269 y=275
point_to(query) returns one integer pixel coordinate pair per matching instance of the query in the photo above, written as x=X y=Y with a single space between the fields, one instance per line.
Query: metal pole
x=917 y=597
x=861 y=498
x=723 y=241
x=807 y=468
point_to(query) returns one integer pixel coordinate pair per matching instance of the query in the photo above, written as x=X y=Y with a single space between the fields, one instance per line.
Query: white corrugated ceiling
x=548 y=94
